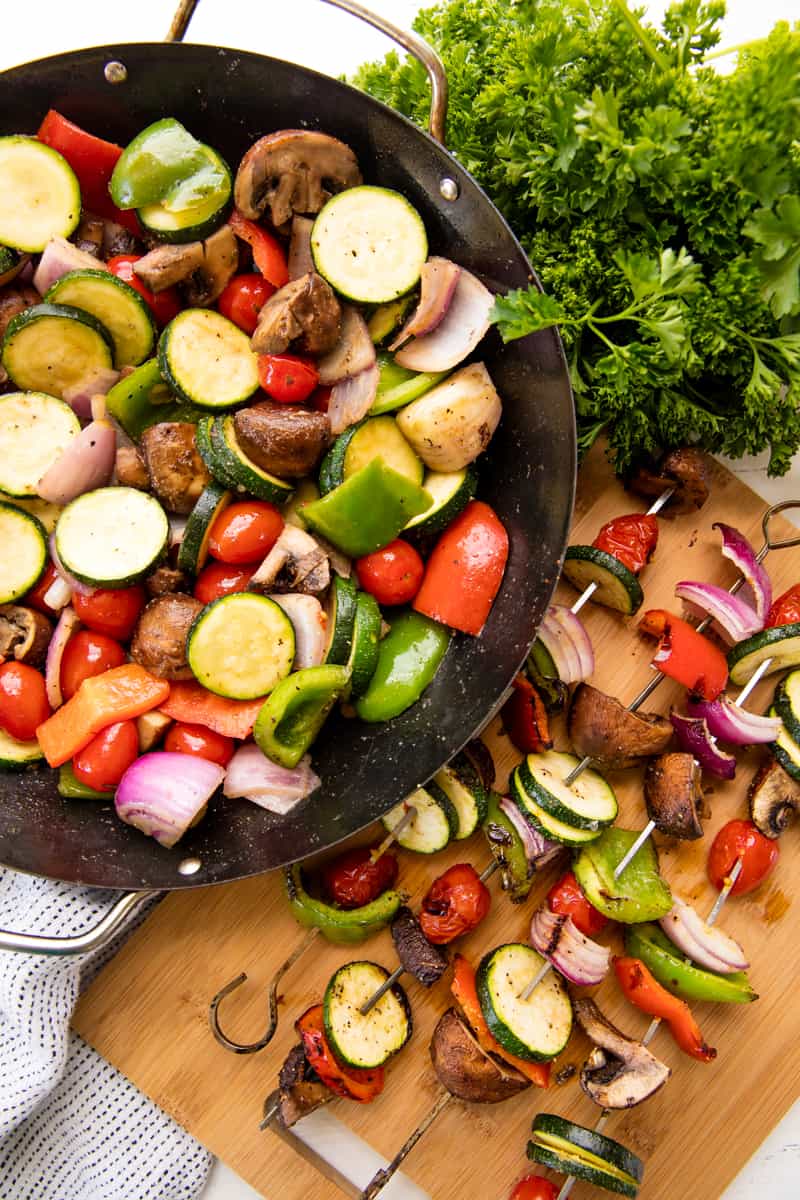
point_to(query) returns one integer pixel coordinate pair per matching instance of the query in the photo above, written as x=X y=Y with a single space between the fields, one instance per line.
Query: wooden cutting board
x=147 y=1011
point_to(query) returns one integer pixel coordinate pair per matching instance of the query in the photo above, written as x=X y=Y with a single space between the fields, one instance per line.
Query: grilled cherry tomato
x=786 y=609
x=353 y=879
x=200 y=742
x=392 y=575
x=112 y=611
x=741 y=839
x=102 y=763
x=245 y=532
x=220 y=579
x=243 y=298
x=35 y=597
x=164 y=305
x=525 y=718
x=287 y=378
x=454 y=904
x=566 y=898
x=632 y=539
x=23 y=700
x=268 y=253
x=87 y=654
x=685 y=655
x=354 y=1083
x=534 y=1187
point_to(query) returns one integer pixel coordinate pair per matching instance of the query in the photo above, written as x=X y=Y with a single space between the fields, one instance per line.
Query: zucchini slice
x=786 y=703
x=341 y=616
x=366 y=1041
x=111 y=537
x=617 y=587
x=40 y=197
x=51 y=347
x=786 y=750
x=207 y=359
x=229 y=463
x=24 y=543
x=397 y=386
x=536 y=1029
x=588 y=803
x=240 y=646
x=363 y=658
x=462 y=786
x=121 y=310
x=193 y=550
x=433 y=826
x=451 y=491
x=15 y=755
x=35 y=430
x=387 y=317
x=43 y=510
x=195 y=222
x=574 y=1150
x=544 y=822
x=370 y=244
x=781 y=643
x=377 y=437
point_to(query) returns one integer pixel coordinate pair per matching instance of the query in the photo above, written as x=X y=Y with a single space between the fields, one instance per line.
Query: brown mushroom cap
x=284 y=439
x=603 y=729
x=159 y=639
x=24 y=635
x=304 y=312
x=673 y=794
x=620 y=1072
x=293 y=171
x=774 y=799
x=465 y=1069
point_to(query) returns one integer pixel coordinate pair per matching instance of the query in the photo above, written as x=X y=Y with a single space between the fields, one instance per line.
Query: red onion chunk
x=736 y=547
x=564 y=636
x=163 y=793
x=300 y=260
x=310 y=628
x=733 y=617
x=59 y=257
x=538 y=850
x=352 y=399
x=464 y=324
x=352 y=354
x=74 y=584
x=575 y=956
x=733 y=724
x=694 y=736
x=86 y=463
x=437 y=285
x=98 y=382
x=705 y=944
x=255 y=777
x=67 y=624
x=58 y=595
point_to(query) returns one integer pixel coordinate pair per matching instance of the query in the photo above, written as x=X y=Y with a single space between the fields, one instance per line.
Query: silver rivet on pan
x=448 y=188
x=189 y=866
x=115 y=72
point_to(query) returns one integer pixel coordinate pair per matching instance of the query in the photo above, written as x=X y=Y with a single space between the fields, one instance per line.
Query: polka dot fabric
x=71 y=1126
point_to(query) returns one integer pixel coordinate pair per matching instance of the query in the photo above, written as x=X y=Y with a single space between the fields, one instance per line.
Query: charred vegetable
x=468 y=1071
x=419 y=957
x=774 y=798
x=620 y=1072
x=673 y=795
x=601 y=728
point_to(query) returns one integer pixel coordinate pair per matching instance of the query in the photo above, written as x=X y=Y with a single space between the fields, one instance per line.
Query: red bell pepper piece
x=632 y=539
x=192 y=704
x=466 y=994
x=643 y=990
x=354 y=1083
x=525 y=718
x=93 y=160
x=268 y=253
x=465 y=570
x=685 y=655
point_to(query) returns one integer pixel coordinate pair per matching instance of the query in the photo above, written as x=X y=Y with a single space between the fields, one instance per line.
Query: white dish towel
x=71 y=1126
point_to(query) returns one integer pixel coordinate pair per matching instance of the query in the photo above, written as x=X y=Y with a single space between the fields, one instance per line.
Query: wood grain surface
x=147 y=1011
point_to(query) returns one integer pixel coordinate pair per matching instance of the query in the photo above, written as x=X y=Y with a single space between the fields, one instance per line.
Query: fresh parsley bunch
x=658 y=200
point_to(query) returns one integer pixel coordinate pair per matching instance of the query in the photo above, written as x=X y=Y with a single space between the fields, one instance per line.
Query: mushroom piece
x=130 y=468
x=620 y=1072
x=166 y=580
x=282 y=439
x=466 y=1069
x=89 y=236
x=293 y=171
x=159 y=639
x=13 y=301
x=600 y=727
x=304 y=313
x=774 y=799
x=220 y=260
x=165 y=266
x=419 y=957
x=118 y=240
x=673 y=795
x=296 y=563
x=24 y=635
x=685 y=470
x=177 y=472
x=300 y=1091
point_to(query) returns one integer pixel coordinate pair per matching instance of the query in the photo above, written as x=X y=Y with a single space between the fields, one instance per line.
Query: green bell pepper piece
x=157 y=161
x=651 y=946
x=72 y=789
x=509 y=852
x=408 y=658
x=344 y=926
x=368 y=510
x=143 y=399
x=295 y=711
x=397 y=386
x=640 y=894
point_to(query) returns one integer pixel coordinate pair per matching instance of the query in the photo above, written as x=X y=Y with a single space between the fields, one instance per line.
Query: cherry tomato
x=631 y=539
x=786 y=609
x=102 y=763
x=566 y=898
x=759 y=856
x=534 y=1187
x=87 y=654
x=243 y=298
x=320 y=399
x=112 y=611
x=201 y=742
x=35 y=597
x=454 y=904
x=164 y=305
x=352 y=879
x=287 y=378
x=392 y=575
x=219 y=579
x=23 y=700
x=245 y=532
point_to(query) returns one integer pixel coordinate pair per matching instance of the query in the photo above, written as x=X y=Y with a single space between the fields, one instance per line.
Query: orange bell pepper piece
x=117 y=695
x=643 y=990
x=466 y=994
x=193 y=703
x=685 y=655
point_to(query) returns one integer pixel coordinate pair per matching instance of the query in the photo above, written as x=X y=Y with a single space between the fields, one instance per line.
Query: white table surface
x=310 y=33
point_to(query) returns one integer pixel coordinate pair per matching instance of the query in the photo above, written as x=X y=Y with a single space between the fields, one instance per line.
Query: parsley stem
x=652 y=52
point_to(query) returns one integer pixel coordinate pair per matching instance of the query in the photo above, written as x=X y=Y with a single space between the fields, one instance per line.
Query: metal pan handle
x=78 y=943
x=409 y=41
